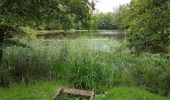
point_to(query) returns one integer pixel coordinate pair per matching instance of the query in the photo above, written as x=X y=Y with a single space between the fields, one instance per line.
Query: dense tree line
x=105 y=21
x=148 y=23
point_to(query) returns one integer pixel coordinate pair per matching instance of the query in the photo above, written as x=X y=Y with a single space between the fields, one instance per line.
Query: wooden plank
x=58 y=94
x=81 y=93
x=77 y=92
x=92 y=96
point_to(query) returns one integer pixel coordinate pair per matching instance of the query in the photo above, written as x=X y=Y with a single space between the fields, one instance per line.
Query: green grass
x=125 y=93
x=46 y=91
x=77 y=61
x=39 y=91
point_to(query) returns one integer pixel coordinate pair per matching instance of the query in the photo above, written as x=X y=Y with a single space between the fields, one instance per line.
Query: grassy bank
x=128 y=93
x=38 y=91
x=46 y=91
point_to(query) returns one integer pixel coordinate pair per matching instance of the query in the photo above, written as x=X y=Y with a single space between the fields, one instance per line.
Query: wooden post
x=56 y=97
x=2 y=36
x=92 y=96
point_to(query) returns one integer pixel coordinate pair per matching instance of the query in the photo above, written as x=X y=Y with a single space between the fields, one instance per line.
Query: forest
x=49 y=44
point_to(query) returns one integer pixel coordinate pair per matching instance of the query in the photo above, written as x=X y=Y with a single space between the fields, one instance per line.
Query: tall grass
x=83 y=63
x=87 y=63
x=149 y=71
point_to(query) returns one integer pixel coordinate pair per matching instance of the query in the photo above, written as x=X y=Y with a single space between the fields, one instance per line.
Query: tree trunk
x=1 y=43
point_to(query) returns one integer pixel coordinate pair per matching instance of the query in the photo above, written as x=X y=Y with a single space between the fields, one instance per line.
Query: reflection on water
x=77 y=34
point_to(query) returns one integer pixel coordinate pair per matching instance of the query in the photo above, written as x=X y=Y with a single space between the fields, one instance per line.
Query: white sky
x=109 y=5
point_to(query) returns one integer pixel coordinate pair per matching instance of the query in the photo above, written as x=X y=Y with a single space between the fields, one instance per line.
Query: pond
x=81 y=34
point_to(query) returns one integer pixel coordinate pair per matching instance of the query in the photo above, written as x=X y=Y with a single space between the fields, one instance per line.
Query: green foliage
x=28 y=30
x=147 y=71
x=59 y=60
x=123 y=12
x=4 y=76
x=87 y=64
x=102 y=21
x=6 y=33
x=36 y=13
x=148 y=22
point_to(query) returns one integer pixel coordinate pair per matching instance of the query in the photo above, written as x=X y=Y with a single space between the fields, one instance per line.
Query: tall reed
x=94 y=64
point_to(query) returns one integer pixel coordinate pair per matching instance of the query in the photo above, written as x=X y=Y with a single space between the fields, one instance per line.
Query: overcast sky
x=108 y=5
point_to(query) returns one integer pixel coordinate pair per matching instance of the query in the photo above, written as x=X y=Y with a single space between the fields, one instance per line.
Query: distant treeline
x=105 y=21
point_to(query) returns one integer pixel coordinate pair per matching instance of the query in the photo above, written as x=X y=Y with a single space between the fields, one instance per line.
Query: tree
x=149 y=23
x=123 y=11
x=105 y=21
x=37 y=12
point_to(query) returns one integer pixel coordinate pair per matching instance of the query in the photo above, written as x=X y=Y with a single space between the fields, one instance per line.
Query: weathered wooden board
x=76 y=92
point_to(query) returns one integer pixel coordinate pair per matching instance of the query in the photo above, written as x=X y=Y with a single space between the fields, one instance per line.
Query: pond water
x=81 y=34
x=95 y=40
